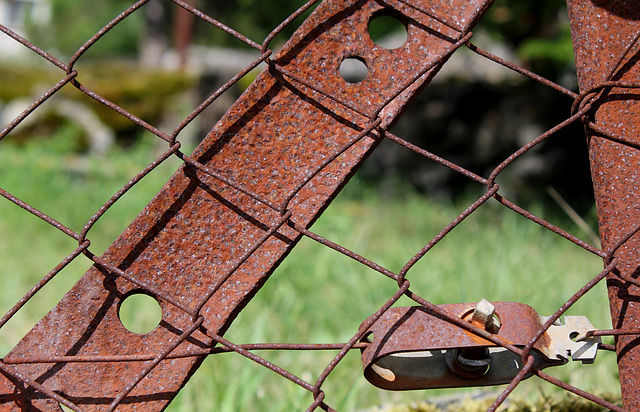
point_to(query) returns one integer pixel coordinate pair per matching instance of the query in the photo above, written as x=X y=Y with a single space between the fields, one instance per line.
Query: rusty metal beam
x=605 y=34
x=219 y=227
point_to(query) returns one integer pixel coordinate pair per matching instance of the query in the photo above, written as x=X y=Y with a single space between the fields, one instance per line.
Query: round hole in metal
x=387 y=30
x=354 y=69
x=140 y=313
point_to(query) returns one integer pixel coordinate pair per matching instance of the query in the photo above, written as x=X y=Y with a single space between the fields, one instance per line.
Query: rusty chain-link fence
x=250 y=191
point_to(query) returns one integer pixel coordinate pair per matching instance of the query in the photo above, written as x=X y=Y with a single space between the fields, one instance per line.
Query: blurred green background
x=72 y=154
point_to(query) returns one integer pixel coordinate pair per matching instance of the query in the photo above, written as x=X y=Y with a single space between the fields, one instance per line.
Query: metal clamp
x=412 y=349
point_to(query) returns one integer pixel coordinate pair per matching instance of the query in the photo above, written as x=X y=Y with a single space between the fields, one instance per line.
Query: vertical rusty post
x=605 y=35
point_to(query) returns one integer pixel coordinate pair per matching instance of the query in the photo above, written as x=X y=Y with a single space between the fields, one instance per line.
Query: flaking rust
x=605 y=37
x=203 y=246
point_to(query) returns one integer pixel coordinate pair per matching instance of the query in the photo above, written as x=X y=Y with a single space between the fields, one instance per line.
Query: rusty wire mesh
x=68 y=78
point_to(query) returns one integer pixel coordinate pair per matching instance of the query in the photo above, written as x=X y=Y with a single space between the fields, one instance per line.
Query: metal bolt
x=469 y=363
x=484 y=316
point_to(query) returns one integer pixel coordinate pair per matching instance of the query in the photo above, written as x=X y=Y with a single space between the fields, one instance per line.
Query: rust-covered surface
x=416 y=343
x=605 y=35
x=220 y=226
x=250 y=191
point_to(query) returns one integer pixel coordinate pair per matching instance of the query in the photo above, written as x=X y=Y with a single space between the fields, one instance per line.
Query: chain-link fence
x=250 y=192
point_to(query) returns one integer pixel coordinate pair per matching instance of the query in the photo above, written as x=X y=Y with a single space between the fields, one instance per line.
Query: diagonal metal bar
x=195 y=241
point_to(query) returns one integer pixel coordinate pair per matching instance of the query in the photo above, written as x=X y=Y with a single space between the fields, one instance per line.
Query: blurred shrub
x=73 y=22
x=150 y=95
x=146 y=94
x=538 y=32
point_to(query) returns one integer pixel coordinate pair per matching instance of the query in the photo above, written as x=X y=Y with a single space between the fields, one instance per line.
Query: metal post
x=605 y=35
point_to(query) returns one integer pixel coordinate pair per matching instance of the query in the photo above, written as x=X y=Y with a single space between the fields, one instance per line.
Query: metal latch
x=410 y=348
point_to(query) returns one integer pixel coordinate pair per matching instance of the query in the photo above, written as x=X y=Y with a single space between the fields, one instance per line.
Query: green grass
x=541 y=404
x=317 y=295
